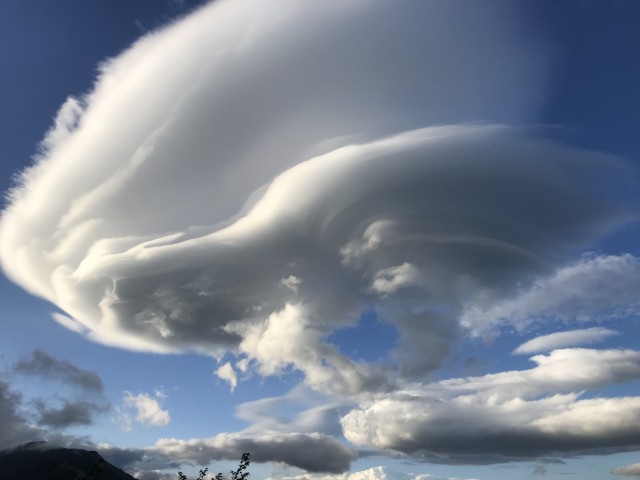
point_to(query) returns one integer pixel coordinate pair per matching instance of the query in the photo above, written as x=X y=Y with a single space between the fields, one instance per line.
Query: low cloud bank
x=510 y=415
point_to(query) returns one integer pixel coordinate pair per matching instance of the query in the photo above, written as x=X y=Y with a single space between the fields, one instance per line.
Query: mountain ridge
x=39 y=460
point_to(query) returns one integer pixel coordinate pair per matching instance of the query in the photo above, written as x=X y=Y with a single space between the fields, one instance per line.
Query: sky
x=360 y=240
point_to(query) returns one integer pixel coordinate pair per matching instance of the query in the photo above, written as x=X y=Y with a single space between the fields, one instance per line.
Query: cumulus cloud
x=632 y=470
x=289 y=338
x=517 y=414
x=291 y=282
x=389 y=280
x=569 y=338
x=42 y=364
x=226 y=372
x=143 y=408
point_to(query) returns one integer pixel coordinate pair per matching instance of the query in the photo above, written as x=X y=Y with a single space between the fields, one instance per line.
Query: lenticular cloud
x=258 y=173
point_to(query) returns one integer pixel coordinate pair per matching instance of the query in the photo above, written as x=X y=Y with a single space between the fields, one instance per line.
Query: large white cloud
x=145 y=177
x=143 y=408
x=350 y=221
x=255 y=176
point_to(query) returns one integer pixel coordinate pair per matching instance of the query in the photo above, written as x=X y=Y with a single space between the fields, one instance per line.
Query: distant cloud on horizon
x=520 y=414
x=374 y=473
x=632 y=470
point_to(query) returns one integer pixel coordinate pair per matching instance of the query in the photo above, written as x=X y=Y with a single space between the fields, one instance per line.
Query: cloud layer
x=509 y=415
x=569 y=338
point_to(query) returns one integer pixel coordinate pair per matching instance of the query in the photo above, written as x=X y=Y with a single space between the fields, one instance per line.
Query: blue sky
x=357 y=239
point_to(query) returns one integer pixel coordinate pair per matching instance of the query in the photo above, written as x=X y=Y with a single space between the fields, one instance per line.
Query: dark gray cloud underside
x=40 y=363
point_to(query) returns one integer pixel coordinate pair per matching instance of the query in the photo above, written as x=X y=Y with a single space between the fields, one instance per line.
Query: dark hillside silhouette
x=37 y=460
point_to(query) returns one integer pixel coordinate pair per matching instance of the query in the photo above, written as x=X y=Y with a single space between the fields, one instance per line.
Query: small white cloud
x=146 y=410
x=226 y=372
x=632 y=470
x=392 y=279
x=570 y=338
x=243 y=365
x=291 y=282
